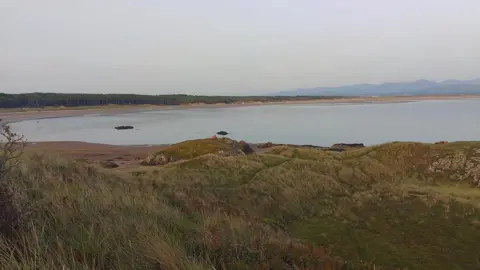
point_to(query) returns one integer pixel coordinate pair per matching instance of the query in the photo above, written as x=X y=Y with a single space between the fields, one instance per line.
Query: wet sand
x=124 y=156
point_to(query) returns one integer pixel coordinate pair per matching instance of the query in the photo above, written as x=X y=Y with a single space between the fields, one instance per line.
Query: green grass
x=195 y=148
x=314 y=209
x=191 y=149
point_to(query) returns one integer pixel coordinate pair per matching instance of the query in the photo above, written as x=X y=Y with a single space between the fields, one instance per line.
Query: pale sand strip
x=9 y=116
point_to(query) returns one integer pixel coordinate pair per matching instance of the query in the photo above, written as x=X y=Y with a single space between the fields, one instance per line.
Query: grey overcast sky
x=232 y=46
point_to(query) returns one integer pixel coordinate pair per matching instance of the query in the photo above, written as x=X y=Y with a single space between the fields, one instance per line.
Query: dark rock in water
x=109 y=164
x=223 y=133
x=348 y=145
x=123 y=127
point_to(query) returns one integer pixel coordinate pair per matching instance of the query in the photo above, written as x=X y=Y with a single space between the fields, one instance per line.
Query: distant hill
x=415 y=88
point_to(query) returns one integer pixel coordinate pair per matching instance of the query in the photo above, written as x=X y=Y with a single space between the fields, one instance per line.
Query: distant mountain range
x=415 y=88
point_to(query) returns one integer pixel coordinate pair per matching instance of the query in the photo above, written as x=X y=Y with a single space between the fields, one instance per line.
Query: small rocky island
x=123 y=127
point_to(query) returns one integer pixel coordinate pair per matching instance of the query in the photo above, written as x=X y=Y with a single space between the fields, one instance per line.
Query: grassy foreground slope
x=395 y=206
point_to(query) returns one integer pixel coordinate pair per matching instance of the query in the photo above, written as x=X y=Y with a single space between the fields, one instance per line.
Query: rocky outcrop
x=123 y=127
x=459 y=167
x=245 y=147
x=158 y=159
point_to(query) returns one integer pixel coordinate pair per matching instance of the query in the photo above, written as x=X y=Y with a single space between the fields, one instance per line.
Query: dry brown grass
x=285 y=209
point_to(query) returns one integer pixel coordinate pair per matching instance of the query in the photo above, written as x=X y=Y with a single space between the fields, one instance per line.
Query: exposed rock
x=441 y=142
x=459 y=167
x=266 y=145
x=108 y=164
x=123 y=127
x=237 y=148
x=157 y=159
x=449 y=163
x=245 y=147
x=240 y=145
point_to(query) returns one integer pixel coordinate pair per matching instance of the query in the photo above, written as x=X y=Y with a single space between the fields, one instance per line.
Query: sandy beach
x=9 y=116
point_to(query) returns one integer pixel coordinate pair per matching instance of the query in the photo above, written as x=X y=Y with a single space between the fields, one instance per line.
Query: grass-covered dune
x=194 y=148
x=392 y=206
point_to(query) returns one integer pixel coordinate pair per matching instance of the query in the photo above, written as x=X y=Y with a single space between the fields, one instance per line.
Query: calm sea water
x=317 y=124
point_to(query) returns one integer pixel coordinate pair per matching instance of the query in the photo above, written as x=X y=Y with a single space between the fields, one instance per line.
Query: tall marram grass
x=81 y=218
x=287 y=209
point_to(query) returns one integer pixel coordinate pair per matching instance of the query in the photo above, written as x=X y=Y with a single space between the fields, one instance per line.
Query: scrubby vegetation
x=38 y=100
x=393 y=206
x=195 y=148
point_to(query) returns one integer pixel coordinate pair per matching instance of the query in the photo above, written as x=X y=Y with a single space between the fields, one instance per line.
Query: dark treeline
x=37 y=100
